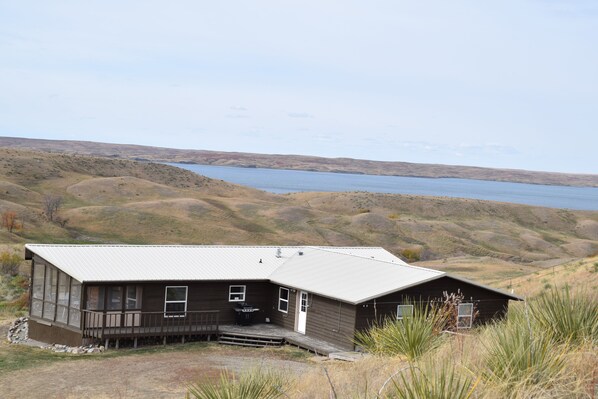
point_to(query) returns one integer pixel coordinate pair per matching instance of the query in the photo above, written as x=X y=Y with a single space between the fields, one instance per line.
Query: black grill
x=244 y=313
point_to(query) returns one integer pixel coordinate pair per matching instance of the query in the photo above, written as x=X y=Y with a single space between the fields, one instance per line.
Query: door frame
x=299 y=320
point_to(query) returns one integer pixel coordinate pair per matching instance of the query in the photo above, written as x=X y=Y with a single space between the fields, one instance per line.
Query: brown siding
x=331 y=320
x=210 y=296
x=286 y=320
x=488 y=303
x=54 y=334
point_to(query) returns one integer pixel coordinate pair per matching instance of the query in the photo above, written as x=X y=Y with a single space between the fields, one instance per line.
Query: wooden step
x=241 y=344
x=253 y=340
x=257 y=336
x=258 y=341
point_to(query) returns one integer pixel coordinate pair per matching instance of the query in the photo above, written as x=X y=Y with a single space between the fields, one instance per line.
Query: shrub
x=411 y=336
x=411 y=254
x=255 y=384
x=432 y=382
x=9 y=263
x=516 y=355
x=566 y=317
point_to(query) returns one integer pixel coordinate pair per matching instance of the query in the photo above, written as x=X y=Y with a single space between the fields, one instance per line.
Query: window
x=283 y=299
x=133 y=297
x=404 y=311
x=175 y=303
x=236 y=293
x=464 y=315
x=115 y=298
x=95 y=298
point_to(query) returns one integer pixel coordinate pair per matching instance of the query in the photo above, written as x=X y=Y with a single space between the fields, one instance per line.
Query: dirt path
x=156 y=375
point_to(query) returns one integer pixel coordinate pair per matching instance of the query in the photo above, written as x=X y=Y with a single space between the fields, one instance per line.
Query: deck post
x=107 y=343
x=135 y=343
x=164 y=340
x=117 y=341
x=183 y=339
x=103 y=324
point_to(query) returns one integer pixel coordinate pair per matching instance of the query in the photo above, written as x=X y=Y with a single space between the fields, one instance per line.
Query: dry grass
x=574 y=274
x=516 y=358
x=113 y=200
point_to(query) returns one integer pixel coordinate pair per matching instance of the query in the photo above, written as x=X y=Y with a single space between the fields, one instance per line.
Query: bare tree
x=9 y=221
x=51 y=205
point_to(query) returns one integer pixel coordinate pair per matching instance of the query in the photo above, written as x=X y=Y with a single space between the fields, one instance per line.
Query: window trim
x=466 y=316
x=408 y=306
x=243 y=293
x=186 y=287
x=280 y=299
x=138 y=297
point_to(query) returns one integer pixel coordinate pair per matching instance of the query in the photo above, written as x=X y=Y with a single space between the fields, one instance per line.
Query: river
x=282 y=181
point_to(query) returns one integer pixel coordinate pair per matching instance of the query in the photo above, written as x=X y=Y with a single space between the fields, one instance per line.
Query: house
x=81 y=293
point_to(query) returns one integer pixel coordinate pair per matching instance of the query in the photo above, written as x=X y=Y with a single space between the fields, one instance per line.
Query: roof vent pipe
x=300 y=253
x=278 y=253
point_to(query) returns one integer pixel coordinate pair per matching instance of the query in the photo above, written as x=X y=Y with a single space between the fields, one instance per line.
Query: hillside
x=298 y=162
x=122 y=201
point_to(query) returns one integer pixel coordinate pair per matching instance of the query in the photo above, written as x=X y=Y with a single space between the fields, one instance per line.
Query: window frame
x=465 y=316
x=137 y=300
x=281 y=299
x=404 y=306
x=166 y=301
x=242 y=294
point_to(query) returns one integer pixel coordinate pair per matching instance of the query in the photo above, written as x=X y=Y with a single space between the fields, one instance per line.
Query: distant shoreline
x=300 y=162
x=285 y=181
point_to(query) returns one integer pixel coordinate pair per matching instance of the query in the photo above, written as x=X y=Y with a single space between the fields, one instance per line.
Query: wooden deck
x=311 y=344
x=116 y=325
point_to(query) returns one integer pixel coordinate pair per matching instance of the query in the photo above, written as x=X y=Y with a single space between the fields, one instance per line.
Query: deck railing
x=132 y=324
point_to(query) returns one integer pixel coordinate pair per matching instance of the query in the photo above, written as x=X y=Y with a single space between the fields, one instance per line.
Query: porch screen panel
x=37 y=289
x=133 y=297
x=50 y=289
x=115 y=298
x=62 y=310
x=75 y=305
x=95 y=298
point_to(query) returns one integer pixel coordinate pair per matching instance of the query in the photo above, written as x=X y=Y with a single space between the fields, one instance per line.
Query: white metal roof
x=349 y=278
x=350 y=274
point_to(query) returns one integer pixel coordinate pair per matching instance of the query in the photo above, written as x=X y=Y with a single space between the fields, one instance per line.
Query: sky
x=504 y=83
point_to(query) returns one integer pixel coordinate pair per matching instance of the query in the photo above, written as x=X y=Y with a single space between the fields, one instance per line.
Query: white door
x=302 y=315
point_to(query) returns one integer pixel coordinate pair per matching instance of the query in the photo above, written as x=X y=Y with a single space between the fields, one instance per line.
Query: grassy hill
x=298 y=162
x=121 y=201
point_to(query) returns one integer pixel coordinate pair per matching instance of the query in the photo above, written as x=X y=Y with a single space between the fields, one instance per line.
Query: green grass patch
x=16 y=357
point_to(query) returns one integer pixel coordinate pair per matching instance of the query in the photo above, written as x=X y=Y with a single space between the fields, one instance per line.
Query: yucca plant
x=433 y=381
x=411 y=336
x=517 y=355
x=254 y=384
x=567 y=317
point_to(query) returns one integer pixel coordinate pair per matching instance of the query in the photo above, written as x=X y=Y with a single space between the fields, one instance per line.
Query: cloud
x=488 y=148
x=238 y=108
x=299 y=115
x=237 y=116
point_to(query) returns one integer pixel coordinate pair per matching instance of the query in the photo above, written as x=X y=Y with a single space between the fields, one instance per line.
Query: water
x=287 y=181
